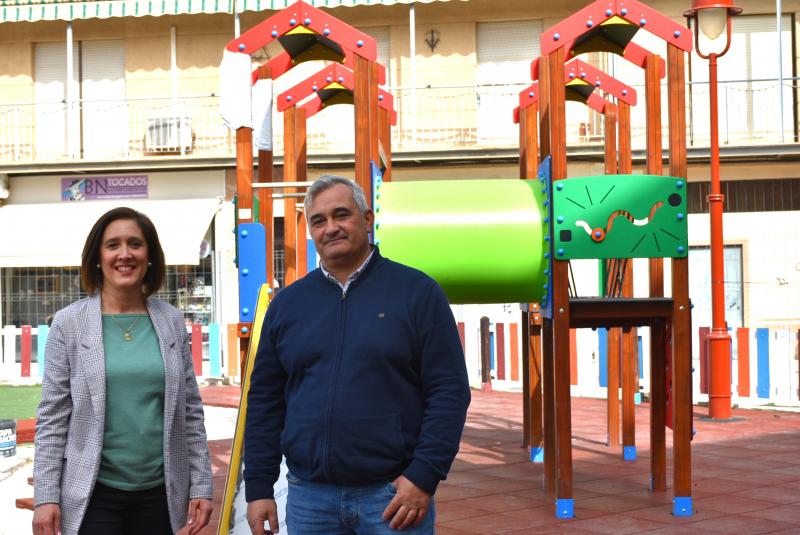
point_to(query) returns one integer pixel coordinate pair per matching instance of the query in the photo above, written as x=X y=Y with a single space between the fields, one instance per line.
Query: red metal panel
x=197 y=348
x=703 y=337
x=312 y=18
x=577 y=68
x=333 y=73
x=25 y=349
x=743 y=352
x=583 y=21
x=500 y=342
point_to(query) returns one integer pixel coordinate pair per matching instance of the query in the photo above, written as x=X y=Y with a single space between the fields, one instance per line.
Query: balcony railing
x=429 y=119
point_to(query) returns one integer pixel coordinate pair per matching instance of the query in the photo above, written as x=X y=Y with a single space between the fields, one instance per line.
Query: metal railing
x=444 y=118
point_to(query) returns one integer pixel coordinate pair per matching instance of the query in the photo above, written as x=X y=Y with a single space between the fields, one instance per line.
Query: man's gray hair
x=327 y=181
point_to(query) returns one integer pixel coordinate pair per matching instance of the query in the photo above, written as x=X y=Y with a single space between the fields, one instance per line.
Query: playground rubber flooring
x=745 y=474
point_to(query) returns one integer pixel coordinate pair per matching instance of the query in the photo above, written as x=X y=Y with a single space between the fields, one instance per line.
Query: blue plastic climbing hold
x=629 y=453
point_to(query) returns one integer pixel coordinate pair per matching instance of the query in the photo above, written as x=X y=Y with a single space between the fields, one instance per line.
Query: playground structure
x=526 y=230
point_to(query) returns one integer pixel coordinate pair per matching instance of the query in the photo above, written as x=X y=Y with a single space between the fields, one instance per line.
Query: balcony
x=463 y=118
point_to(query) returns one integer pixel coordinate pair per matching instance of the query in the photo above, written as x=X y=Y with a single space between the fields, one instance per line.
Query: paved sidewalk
x=746 y=474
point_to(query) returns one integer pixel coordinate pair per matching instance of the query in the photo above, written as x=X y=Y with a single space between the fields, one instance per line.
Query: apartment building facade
x=115 y=102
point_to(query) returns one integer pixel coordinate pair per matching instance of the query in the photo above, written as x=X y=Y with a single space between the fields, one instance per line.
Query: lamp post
x=712 y=17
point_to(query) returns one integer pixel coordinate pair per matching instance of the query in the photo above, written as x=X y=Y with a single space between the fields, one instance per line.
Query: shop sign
x=103 y=187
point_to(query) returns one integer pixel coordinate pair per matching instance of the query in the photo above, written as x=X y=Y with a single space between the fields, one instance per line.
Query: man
x=359 y=380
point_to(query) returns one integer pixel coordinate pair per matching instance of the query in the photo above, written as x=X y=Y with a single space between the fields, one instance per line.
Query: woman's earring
x=149 y=263
x=98 y=266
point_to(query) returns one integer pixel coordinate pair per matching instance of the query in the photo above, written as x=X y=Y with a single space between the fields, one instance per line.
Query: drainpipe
x=70 y=94
x=412 y=54
x=778 y=13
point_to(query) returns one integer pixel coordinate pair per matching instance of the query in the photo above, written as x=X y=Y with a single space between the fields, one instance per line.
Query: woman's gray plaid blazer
x=71 y=415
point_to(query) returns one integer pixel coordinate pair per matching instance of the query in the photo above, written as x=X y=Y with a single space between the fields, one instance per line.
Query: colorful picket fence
x=22 y=354
x=765 y=363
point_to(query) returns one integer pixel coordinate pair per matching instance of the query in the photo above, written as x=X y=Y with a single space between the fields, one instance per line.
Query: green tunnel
x=481 y=240
x=487 y=241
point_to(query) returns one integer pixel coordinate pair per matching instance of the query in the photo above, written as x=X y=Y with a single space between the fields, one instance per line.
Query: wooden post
x=658 y=446
x=614 y=346
x=548 y=378
x=385 y=118
x=290 y=161
x=528 y=142
x=560 y=296
x=681 y=317
x=365 y=106
x=630 y=354
x=614 y=341
x=244 y=174
x=301 y=174
x=486 y=371
x=266 y=209
x=526 y=379
x=531 y=319
x=534 y=400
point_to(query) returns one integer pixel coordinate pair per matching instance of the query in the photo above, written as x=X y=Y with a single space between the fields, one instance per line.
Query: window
x=505 y=52
x=95 y=125
x=749 y=92
x=700 y=286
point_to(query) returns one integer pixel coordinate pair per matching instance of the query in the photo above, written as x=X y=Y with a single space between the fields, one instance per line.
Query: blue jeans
x=314 y=508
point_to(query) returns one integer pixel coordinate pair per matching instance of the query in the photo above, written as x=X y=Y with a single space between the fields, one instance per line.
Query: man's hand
x=408 y=507
x=47 y=519
x=199 y=515
x=260 y=510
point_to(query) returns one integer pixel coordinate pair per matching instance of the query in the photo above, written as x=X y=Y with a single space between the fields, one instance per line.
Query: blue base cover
x=537 y=455
x=637 y=398
x=565 y=508
x=629 y=453
x=682 y=506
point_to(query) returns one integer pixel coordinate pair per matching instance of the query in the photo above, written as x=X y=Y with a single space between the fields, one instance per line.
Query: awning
x=35 y=10
x=52 y=235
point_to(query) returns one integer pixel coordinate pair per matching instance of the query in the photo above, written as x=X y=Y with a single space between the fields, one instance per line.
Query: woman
x=120 y=441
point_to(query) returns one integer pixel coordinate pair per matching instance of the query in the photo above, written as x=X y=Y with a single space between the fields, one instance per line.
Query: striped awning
x=36 y=10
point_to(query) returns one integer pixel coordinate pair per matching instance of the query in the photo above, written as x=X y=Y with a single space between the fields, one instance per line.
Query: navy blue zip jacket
x=356 y=388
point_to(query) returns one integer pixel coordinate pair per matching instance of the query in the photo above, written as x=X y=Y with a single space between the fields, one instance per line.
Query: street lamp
x=711 y=17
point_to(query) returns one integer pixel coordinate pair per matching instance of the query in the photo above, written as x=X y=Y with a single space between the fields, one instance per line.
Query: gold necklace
x=127 y=335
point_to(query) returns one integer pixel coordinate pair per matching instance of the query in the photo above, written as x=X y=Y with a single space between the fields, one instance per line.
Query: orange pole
x=719 y=340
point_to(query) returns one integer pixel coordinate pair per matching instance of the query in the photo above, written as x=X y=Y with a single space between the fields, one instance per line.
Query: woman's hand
x=47 y=519
x=199 y=514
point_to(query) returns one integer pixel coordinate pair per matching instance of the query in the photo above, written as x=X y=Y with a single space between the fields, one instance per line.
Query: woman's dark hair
x=92 y=278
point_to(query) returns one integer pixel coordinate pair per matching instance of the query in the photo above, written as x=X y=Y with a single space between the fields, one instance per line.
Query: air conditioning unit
x=169 y=134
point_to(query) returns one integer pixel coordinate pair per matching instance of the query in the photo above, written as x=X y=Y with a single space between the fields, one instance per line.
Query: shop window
x=30 y=296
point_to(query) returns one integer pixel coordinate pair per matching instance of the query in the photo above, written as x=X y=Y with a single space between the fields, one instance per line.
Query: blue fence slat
x=214 y=350
x=641 y=357
x=491 y=351
x=762 y=348
x=41 y=343
x=311 y=255
x=602 y=346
